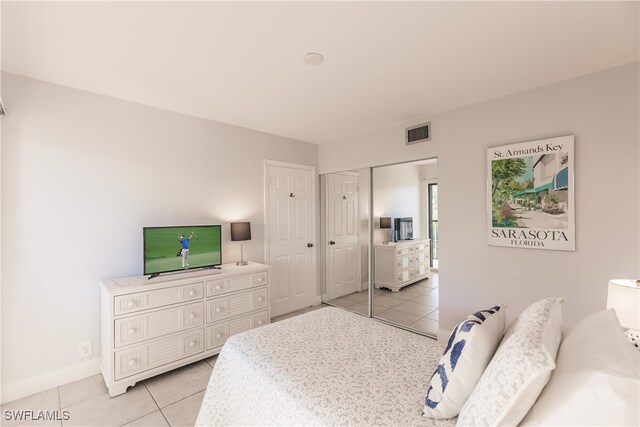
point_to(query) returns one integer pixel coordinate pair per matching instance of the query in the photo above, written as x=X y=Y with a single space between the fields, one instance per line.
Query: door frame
x=426 y=205
x=316 y=298
x=430 y=221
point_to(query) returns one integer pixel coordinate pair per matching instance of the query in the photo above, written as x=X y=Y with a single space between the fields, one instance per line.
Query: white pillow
x=469 y=349
x=596 y=381
x=519 y=369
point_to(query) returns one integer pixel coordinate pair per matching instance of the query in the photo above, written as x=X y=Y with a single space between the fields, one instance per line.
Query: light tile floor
x=415 y=306
x=171 y=399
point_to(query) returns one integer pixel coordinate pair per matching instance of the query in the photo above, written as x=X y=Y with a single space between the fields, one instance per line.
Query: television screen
x=403 y=228
x=181 y=248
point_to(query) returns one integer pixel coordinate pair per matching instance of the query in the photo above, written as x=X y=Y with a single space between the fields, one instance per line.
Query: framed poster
x=530 y=194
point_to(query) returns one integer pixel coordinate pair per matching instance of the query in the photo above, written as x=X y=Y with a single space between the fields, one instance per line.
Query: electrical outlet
x=85 y=349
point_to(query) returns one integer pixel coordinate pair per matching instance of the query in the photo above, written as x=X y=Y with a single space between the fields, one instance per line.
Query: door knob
x=309 y=245
x=331 y=242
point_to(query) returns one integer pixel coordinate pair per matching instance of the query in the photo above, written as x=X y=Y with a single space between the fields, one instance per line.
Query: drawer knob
x=217 y=309
x=130 y=303
x=193 y=343
x=218 y=335
x=132 y=362
x=259 y=279
x=192 y=316
x=218 y=287
x=260 y=322
x=192 y=293
x=260 y=299
x=131 y=331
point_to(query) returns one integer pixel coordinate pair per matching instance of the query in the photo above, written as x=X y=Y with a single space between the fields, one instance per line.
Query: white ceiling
x=385 y=63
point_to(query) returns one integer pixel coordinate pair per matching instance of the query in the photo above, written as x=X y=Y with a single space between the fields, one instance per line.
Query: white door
x=290 y=232
x=343 y=248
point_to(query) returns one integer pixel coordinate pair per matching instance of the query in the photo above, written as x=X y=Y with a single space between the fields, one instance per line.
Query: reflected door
x=343 y=268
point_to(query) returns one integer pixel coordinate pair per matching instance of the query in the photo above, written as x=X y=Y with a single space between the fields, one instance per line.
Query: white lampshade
x=624 y=298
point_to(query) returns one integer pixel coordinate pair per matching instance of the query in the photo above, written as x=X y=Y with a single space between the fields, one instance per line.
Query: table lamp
x=240 y=232
x=385 y=224
x=624 y=297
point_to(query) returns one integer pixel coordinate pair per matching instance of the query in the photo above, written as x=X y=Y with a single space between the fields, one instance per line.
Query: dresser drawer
x=421 y=270
x=404 y=262
x=221 y=286
x=405 y=250
x=424 y=246
x=404 y=275
x=131 y=303
x=260 y=279
x=421 y=257
x=157 y=353
x=233 y=305
x=218 y=334
x=130 y=330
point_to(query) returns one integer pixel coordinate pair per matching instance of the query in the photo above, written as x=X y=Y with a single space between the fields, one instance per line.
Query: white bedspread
x=326 y=367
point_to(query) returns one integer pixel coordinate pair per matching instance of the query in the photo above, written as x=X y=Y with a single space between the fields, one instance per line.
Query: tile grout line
x=173 y=403
x=186 y=397
x=154 y=401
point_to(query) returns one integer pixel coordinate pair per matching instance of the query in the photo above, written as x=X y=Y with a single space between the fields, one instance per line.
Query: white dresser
x=402 y=263
x=153 y=326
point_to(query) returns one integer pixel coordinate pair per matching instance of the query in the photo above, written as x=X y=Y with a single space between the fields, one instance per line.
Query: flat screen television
x=403 y=228
x=181 y=248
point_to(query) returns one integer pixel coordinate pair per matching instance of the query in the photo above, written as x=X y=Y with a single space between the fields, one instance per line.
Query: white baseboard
x=443 y=336
x=42 y=382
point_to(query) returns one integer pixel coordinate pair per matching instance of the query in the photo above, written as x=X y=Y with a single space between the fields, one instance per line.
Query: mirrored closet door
x=377 y=225
x=406 y=289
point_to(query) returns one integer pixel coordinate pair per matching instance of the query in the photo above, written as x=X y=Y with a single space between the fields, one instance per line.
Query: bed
x=326 y=367
x=334 y=367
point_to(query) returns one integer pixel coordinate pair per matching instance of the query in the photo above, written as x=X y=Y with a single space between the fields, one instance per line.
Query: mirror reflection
x=405 y=245
x=345 y=218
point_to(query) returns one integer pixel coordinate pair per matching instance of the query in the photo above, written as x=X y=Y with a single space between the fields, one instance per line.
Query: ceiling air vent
x=419 y=133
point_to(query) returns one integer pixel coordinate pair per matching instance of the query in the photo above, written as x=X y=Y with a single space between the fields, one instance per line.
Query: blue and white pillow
x=469 y=350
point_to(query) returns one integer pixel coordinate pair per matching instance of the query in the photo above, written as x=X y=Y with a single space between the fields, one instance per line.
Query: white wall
x=429 y=172
x=396 y=193
x=601 y=109
x=81 y=175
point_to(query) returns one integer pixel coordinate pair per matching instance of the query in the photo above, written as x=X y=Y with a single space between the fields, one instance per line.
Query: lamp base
x=242 y=263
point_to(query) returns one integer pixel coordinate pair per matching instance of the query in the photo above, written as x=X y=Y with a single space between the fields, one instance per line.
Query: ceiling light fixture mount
x=313 y=58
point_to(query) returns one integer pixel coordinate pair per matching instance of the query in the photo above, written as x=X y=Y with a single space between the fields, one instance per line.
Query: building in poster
x=530 y=194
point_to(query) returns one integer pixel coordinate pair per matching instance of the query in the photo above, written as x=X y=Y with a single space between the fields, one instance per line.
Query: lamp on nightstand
x=624 y=297
x=385 y=224
x=240 y=232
